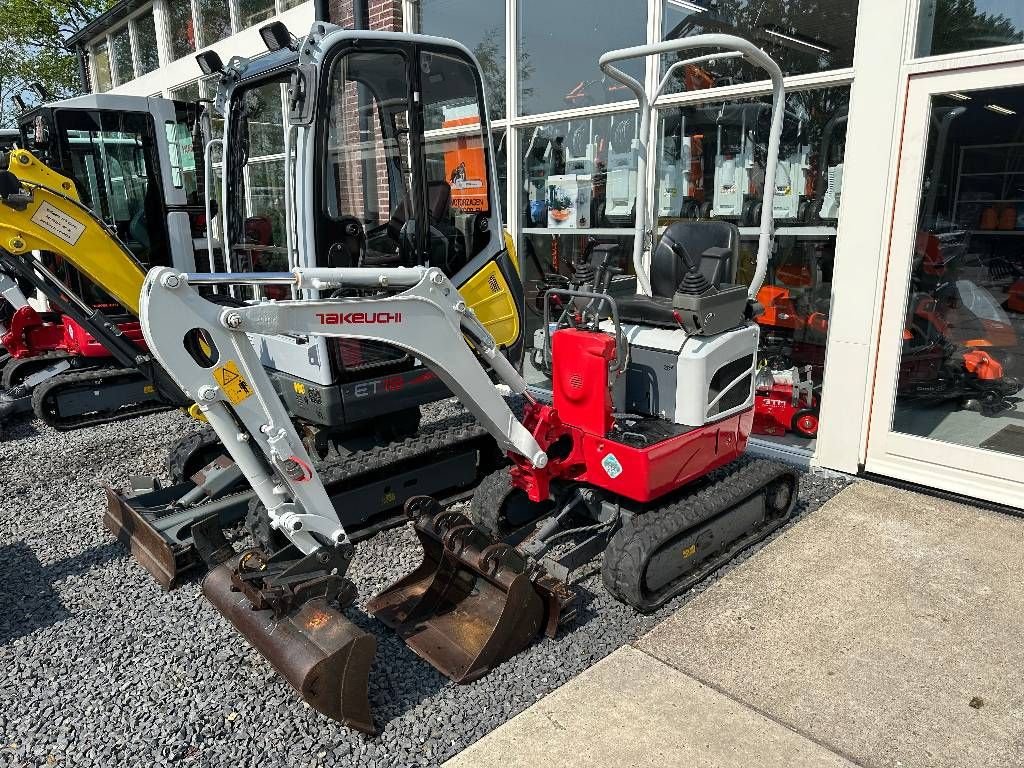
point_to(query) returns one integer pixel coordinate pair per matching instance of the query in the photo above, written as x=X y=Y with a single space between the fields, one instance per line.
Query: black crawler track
x=633 y=546
x=44 y=398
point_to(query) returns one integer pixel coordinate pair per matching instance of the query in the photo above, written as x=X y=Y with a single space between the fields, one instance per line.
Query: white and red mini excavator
x=652 y=400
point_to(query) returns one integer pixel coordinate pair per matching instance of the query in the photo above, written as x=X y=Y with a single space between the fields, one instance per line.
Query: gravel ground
x=100 y=667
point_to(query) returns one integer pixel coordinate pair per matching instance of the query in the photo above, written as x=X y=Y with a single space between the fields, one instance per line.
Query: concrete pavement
x=883 y=630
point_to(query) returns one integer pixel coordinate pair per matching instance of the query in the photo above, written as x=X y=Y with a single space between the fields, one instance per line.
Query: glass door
x=948 y=407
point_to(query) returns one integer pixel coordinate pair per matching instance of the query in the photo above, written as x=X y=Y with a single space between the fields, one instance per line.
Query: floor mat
x=1007 y=440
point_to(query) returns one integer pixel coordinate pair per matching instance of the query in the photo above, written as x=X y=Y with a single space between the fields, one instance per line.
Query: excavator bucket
x=472 y=603
x=322 y=655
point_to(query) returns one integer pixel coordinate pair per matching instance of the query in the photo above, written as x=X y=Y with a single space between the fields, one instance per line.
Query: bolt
x=17 y=244
x=323 y=557
x=208 y=393
x=461 y=307
x=437 y=278
x=170 y=280
x=233 y=320
x=66 y=185
x=24 y=159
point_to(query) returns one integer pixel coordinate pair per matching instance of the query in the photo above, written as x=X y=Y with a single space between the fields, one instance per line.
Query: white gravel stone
x=99 y=667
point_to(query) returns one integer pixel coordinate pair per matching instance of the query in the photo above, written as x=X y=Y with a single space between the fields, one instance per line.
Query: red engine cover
x=580 y=379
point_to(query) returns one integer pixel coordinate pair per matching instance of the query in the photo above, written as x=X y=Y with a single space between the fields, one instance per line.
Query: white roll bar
x=733 y=47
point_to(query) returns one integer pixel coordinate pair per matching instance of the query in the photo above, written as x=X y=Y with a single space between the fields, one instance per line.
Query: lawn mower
x=652 y=402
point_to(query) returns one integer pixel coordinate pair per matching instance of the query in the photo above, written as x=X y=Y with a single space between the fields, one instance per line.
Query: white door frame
x=970 y=471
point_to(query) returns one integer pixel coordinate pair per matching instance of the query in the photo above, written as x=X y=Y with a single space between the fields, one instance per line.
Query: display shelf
x=597 y=231
x=745 y=232
x=753 y=232
x=972 y=183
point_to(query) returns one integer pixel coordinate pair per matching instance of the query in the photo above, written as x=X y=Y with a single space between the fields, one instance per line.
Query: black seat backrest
x=696 y=237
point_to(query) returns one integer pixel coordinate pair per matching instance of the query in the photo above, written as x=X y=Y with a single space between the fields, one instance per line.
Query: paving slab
x=632 y=710
x=886 y=626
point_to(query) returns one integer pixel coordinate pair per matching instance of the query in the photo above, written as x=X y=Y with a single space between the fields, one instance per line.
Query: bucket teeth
x=473 y=602
x=322 y=655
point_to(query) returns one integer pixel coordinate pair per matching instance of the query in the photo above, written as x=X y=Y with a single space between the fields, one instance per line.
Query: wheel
x=501 y=509
x=755 y=212
x=191 y=453
x=805 y=423
x=745 y=216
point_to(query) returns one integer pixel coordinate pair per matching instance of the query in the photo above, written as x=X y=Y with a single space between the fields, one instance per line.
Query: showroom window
x=571 y=140
x=121 y=58
x=559 y=45
x=214 y=17
x=803 y=37
x=147 y=51
x=127 y=52
x=101 y=67
x=950 y=26
x=480 y=26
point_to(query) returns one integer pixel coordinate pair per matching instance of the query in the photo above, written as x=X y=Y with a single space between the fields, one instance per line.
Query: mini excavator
x=110 y=190
x=652 y=404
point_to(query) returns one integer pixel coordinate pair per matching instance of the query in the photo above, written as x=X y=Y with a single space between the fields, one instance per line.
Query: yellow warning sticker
x=231 y=382
x=690 y=551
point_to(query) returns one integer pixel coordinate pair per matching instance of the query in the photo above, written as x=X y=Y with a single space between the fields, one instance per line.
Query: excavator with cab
x=652 y=403
x=381 y=194
x=356 y=404
x=106 y=186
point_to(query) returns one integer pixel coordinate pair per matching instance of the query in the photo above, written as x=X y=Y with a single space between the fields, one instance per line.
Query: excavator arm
x=206 y=349
x=42 y=211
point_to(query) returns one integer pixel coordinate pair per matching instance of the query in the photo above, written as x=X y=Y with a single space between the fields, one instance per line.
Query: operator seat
x=717 y=242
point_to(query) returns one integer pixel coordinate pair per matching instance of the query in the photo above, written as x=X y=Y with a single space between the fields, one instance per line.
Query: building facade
x=897 y=283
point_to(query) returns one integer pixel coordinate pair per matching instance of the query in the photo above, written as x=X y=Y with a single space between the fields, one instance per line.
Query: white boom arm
x=204 y=346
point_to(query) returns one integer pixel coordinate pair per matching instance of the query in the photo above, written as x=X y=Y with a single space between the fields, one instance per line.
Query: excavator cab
x=386 y=162
x=134 y=164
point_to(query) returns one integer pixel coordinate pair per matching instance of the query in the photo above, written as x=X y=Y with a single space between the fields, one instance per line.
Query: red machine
x=784 y=401
x=31 y=333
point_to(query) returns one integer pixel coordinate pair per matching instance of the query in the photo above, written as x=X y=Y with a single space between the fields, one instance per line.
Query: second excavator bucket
x=472 y=603
x=322 y=655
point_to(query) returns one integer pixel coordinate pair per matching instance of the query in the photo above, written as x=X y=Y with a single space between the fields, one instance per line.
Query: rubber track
x=433 y=438
x=635 y=542
x=12 y=366
x=43 y=394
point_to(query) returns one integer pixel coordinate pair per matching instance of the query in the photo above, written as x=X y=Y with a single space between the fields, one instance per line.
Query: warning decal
x=55 y=221
x=231 y=382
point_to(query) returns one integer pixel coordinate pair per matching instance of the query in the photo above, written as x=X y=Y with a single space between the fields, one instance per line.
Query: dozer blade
x=322 y=655
x=158 y=535
x=472 y=603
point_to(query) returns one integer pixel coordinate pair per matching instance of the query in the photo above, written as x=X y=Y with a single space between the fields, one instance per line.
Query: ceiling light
x=797 y=41
x=999 y=110
x=686 y=5
x=959 y=96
